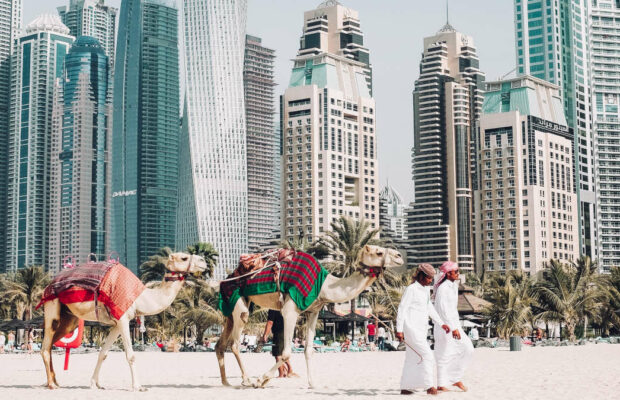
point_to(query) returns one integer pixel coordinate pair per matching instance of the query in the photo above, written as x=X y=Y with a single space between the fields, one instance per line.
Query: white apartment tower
x=604 y=48
x=329 y=147
x=526 y=208
x=213 y=180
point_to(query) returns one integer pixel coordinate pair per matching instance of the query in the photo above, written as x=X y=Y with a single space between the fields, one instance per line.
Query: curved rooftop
x=390 y=194
x=47 y=22
x=86 y=43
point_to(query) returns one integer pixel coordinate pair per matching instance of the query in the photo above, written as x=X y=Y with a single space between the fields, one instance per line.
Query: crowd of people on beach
x=8 y=343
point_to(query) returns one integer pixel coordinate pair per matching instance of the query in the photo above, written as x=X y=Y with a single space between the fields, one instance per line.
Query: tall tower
x=213 y=185
x=81 y=139
x=329 y=146
x=146 y=130
x=262 y=144
x=604 y=56
x=91 y=18
x=551 y=44
x=10 y=24
x=39 y=58
x=447 y=100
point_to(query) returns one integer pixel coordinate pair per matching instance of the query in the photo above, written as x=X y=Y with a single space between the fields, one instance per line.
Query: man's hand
x=400 y=336
x=445 y=328
x=456 y=334
x=264 y=338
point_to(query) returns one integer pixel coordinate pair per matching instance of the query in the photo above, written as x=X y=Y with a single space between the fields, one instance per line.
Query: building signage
x=124 y=193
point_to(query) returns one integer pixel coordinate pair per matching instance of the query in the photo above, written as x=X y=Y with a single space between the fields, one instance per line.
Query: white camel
x=61 y=319
x=372 y=260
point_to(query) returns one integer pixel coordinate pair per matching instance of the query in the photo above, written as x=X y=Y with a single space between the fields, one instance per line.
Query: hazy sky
x=394 y=32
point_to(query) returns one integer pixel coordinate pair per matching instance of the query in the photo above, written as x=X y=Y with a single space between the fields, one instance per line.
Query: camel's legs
x=289 y=314
x=311 y=323
x=129 y=353
x=220 y=348
x=109 y=341
x=240 y=318
x=52 y=322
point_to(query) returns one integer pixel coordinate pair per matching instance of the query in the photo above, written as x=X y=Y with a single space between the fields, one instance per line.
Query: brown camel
x=60 y=319
x=334 y=290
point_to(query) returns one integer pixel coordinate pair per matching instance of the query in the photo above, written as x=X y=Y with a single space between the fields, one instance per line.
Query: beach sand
x=580 y=372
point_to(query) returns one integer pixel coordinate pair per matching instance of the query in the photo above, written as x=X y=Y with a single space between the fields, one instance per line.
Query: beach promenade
x=562 y=373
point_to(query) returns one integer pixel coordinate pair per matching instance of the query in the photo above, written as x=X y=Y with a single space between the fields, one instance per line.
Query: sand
x=581 y=372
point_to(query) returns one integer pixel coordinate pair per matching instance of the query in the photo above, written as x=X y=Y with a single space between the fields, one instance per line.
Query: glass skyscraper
x=146 y=130
x=447 y=101
x=10 y=24
x=213 y=186
x=79 y=205
x=551 y=44
x=39 y=60
x=604 y=35
x=262 y=144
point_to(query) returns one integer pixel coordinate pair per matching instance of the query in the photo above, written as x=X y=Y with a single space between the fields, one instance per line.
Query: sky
x=393 y=32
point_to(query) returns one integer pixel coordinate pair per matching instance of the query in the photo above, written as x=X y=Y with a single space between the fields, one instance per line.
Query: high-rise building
x=604 y=31
x=91 y=18
x=10 y=24
x=146 y=130
x=551 y=44
x=81 y=139
x=329 y=146
x=526 y=205
x=262 y=144
x=446 y=103
x=39 y=59
x=213 y=185
x=393 y=218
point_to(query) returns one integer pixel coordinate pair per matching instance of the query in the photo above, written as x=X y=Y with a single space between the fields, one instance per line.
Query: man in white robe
x=412 y=327
x=452 y=352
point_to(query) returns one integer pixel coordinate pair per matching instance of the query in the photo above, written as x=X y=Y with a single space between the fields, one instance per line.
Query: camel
x=60 y=319
x=372 y=260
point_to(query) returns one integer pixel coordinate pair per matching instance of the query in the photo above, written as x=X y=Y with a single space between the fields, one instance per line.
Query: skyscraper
x=39 y=58
x=551 y=44
x=146 y=130
x=91 y=18
x=262 y=144
x=80 y=198
x=604 y=61
x=329 y=147
x=526 y=205
x=393 y=215
x=213 y=185
x=446 y=103
x=10 y=24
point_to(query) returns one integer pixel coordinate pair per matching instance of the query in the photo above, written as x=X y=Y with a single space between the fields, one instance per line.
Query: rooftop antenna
x=447 y=12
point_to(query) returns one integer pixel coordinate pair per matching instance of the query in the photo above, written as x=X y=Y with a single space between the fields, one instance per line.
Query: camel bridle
x=374 y=272
x=171 y=276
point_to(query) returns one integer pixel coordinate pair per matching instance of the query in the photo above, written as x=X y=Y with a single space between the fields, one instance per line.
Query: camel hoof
x=95 y=385
x=140 y=389
x=225 y=383
x=246 y=382
x=52 y=386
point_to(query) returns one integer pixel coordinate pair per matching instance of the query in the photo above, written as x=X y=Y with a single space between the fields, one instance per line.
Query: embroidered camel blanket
x=116 y=287
x=301 y=276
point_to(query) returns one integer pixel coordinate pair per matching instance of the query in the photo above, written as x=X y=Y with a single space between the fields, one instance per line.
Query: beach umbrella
x=13 y=324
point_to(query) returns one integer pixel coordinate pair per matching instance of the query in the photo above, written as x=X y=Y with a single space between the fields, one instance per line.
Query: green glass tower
x=551 y=44
x=146 y=130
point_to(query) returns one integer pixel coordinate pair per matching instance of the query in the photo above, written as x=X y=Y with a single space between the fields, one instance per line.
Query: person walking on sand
x=412 y=327
x=452 y=352
x=275 y=325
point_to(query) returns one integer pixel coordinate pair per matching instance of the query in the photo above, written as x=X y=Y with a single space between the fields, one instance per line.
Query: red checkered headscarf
x=444 y=269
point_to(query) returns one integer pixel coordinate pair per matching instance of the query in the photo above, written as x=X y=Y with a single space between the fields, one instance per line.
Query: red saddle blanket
x=116 y=287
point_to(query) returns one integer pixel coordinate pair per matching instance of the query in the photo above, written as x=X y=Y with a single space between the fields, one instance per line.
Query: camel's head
x=379 y=257
x=183 y=263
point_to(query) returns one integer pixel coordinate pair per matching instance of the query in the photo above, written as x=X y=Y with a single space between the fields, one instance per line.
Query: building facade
x=145 y=140
x=604 y=35
x=526 y=205
x=329 y=146
x=551 y=44
x=447 y=101
x=81 y=139
x=92 y=18
x=262 y=144
x=39 y=58
x=213 y=191
x=393 y=214
x=10 y=25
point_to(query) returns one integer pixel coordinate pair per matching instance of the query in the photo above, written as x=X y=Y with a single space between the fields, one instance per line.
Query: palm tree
x=567 y=294
x=511 y=303
x=208 y=252
x=197 y=306
x=345 y=241
x=316 y=249
x=154 y=268
x=609 y=317
x=24 y=289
